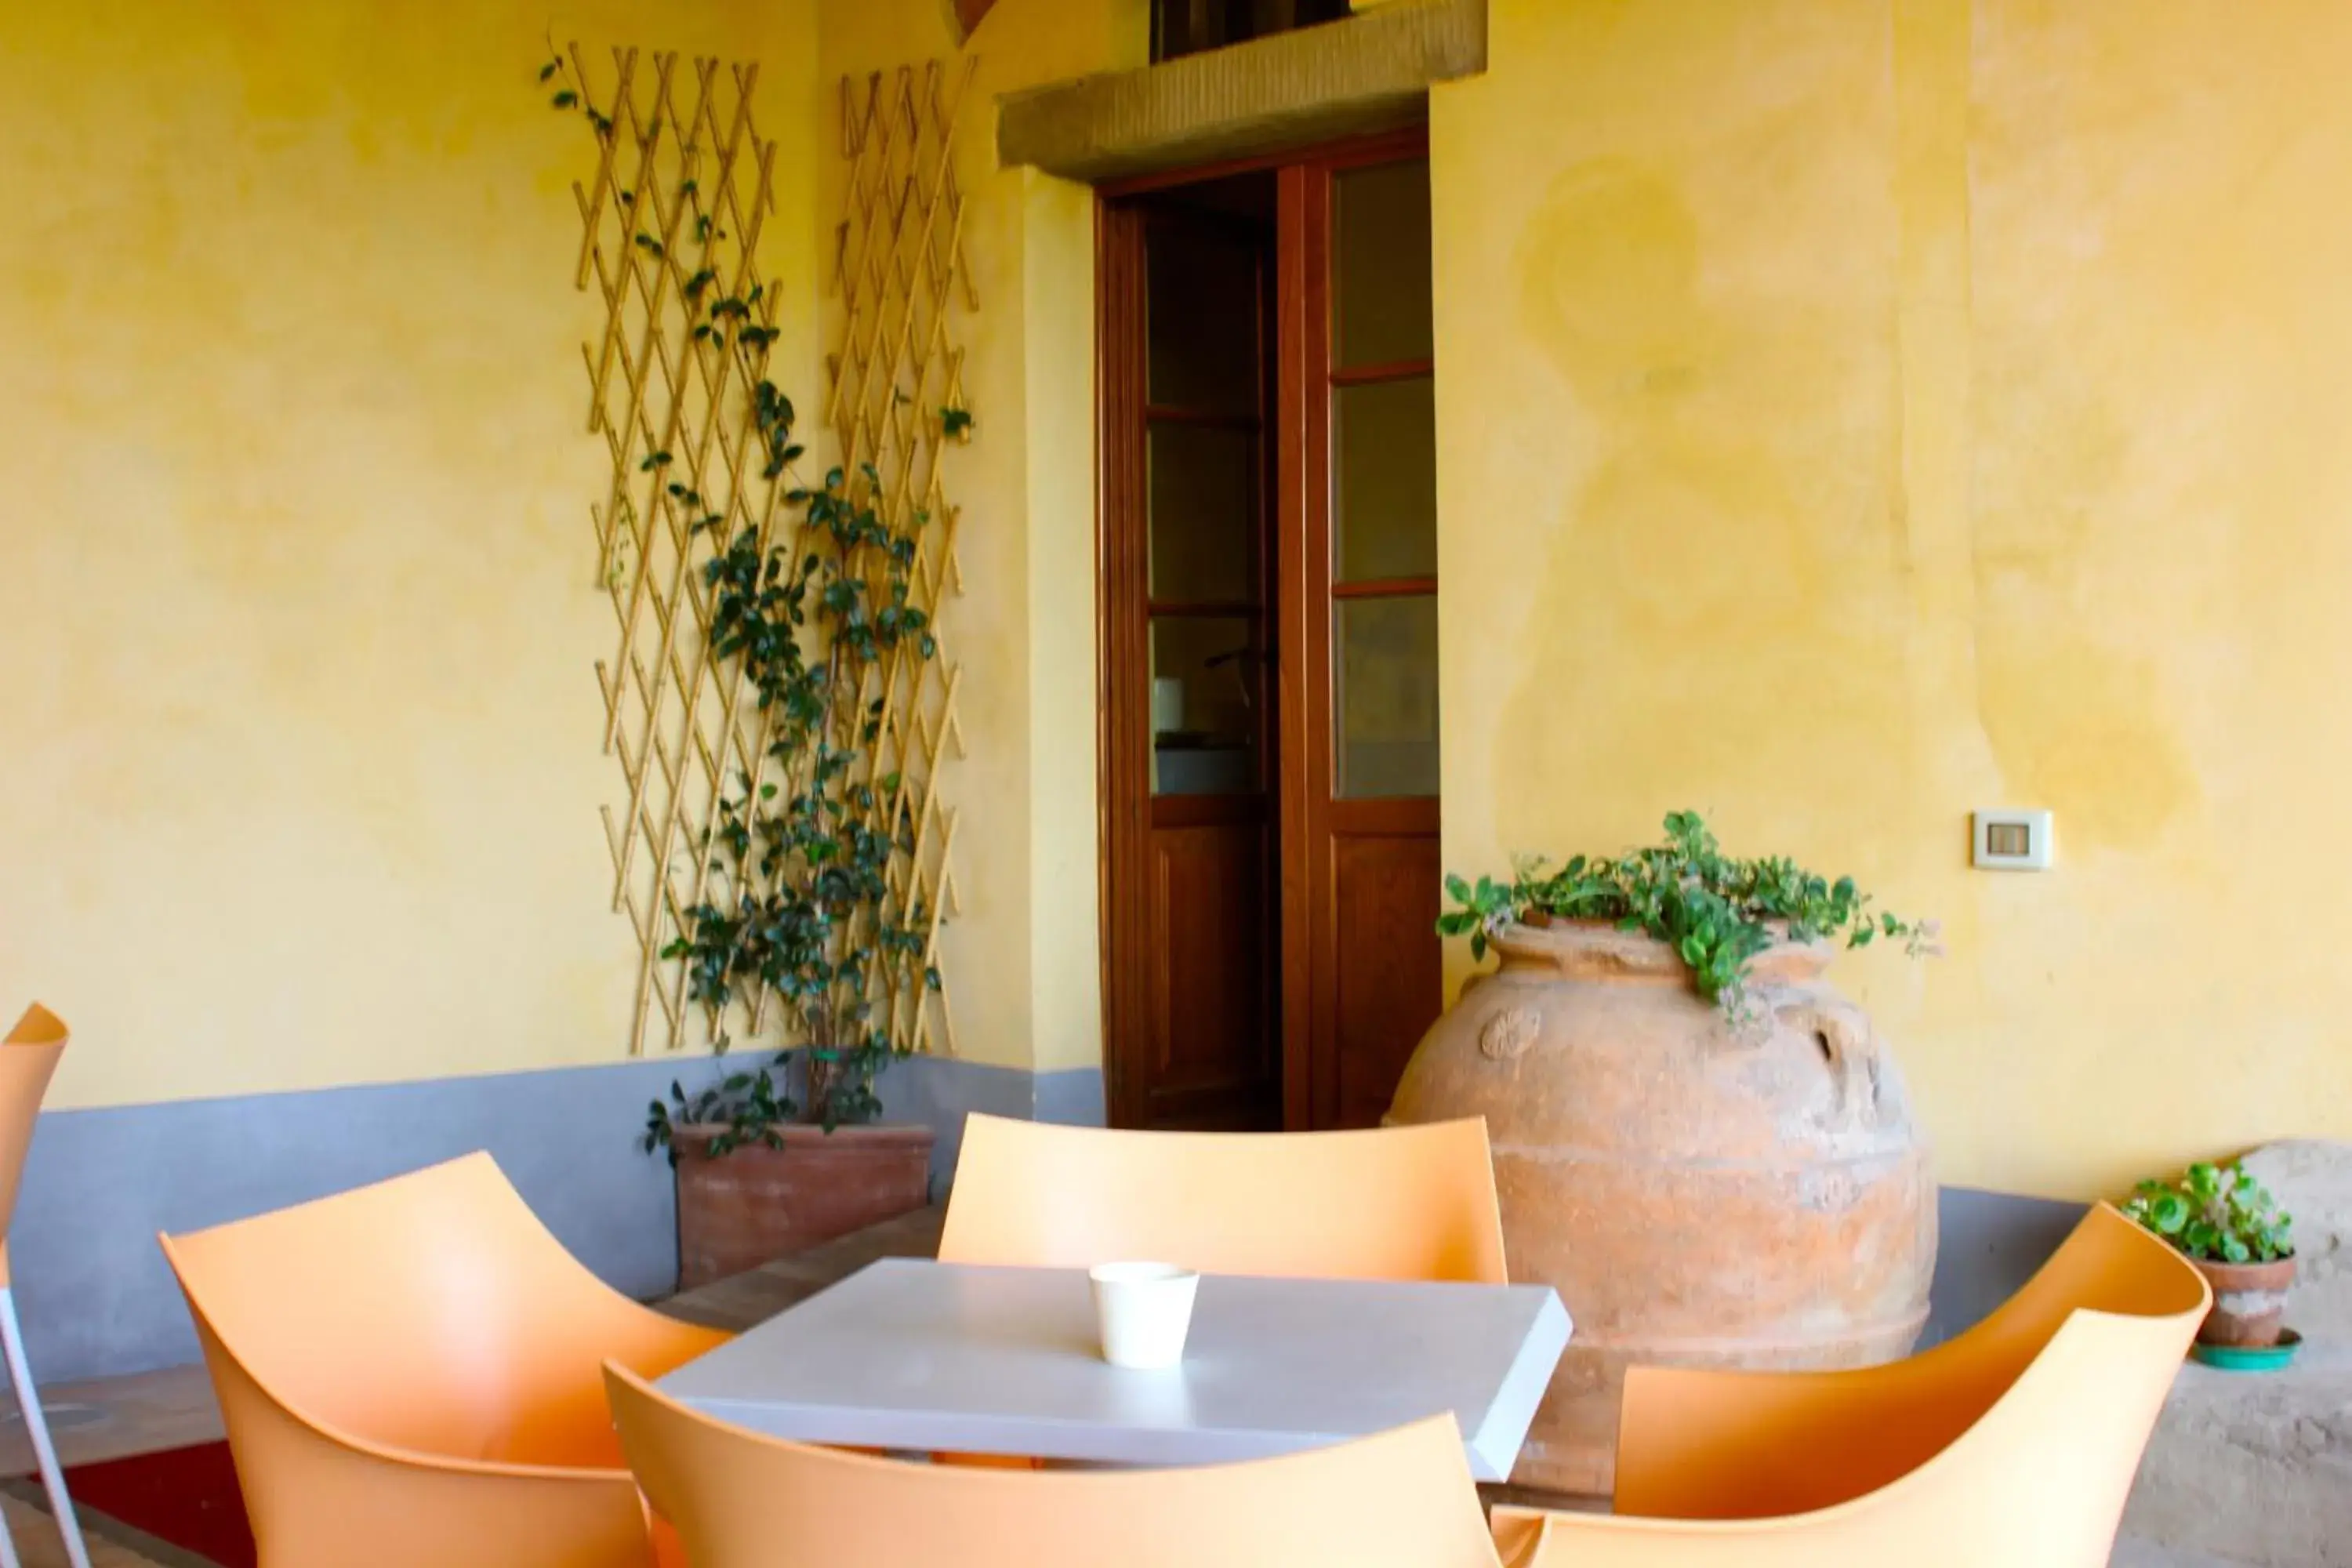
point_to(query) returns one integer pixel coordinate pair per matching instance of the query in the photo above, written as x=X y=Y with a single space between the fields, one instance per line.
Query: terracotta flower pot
x=755 y=1205
x=2249 y=1301
x=1699 y=1194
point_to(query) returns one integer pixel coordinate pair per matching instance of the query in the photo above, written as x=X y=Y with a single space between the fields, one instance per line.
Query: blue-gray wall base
x=1988 y=1245
x=940 y=1092
x=97 y=1298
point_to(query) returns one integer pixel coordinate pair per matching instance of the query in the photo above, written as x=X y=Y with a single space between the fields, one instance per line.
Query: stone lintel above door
x=1368 y=72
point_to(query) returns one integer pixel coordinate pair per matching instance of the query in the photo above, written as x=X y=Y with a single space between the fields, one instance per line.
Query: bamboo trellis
x=671 y=224
x=895 y=405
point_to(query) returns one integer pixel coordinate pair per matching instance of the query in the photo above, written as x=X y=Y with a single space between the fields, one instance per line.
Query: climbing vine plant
x=779 y=700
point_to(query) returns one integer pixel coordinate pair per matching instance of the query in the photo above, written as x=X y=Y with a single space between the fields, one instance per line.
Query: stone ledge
x=1368 y=72
x=2133 y=1552
x=2254 y=1468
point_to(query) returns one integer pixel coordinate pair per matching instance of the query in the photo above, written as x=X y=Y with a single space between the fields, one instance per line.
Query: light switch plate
x=2013 y=840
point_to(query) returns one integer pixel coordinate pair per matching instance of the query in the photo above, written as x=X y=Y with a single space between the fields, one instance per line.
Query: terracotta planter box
x=755 y=1205
x=2249 y=1301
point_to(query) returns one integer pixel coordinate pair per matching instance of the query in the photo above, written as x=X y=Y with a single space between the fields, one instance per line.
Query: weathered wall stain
x=1852 y=415
x=1714 y=569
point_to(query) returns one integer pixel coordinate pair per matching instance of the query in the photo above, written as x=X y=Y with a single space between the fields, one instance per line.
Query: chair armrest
x=1536 y=1538
x=1518 y=1534
x=1701 y=1445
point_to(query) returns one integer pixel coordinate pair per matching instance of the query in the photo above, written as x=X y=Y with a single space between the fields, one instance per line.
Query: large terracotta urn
x=1699 y=1191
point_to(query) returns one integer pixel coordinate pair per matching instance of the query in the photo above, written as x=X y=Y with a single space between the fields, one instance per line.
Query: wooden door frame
x=1123 y=773
x=1298 y=615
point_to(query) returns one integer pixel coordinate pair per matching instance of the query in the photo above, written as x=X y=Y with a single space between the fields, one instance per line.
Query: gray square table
x=913 y=1355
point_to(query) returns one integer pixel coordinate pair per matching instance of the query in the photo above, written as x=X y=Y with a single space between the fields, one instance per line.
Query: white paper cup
x=1143 y=1311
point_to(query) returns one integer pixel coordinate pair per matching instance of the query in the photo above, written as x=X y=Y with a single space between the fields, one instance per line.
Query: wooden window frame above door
x=1373 y=147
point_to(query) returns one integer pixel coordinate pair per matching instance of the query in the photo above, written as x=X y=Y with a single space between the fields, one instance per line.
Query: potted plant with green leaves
x=807 y=933
x=2227 y=1224
x=1705 y=1148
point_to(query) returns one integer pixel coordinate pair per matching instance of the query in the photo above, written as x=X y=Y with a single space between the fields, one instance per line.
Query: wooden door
x=1269 y=582
x=1362 y=977
x=1191 y=931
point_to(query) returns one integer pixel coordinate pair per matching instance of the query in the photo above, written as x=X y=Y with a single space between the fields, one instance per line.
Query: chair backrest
x=314 y=1495
x=2015 y=1443
x=431 y=1314
x=738 y=1499
x=411 y=1372
x=1398 y=1203
x=28 y=1058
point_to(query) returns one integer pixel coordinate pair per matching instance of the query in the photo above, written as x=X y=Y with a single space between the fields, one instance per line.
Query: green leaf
x=2215 y=1213
x=1716 y=911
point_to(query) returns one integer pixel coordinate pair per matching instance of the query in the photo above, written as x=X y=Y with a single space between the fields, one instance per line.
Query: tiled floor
x=38 y=1546
x=113 y=1417
x=756 y=1297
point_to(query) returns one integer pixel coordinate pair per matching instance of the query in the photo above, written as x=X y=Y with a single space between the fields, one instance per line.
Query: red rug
x=188 y=1497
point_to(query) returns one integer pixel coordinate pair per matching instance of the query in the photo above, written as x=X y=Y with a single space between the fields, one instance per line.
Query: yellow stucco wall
x=307 y=772
x=1852 y=413
x=301 y=731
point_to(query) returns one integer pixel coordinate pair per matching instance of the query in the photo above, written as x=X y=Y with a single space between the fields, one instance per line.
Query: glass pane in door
x=1384 y=492
x=1201 y=315
x=1384 y=475
x=1203 y=485
x=1387 y=709
x=1207 y=705
x=1381 y=272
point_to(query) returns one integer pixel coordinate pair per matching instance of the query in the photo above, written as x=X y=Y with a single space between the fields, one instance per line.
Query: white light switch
x=2012 y=840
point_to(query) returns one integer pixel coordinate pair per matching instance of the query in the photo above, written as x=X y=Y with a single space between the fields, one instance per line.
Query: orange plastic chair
x=28 y=1058
x=1397 y=1202
x=1401 y=1500
x=2013 y=1444
x=410 y=1375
